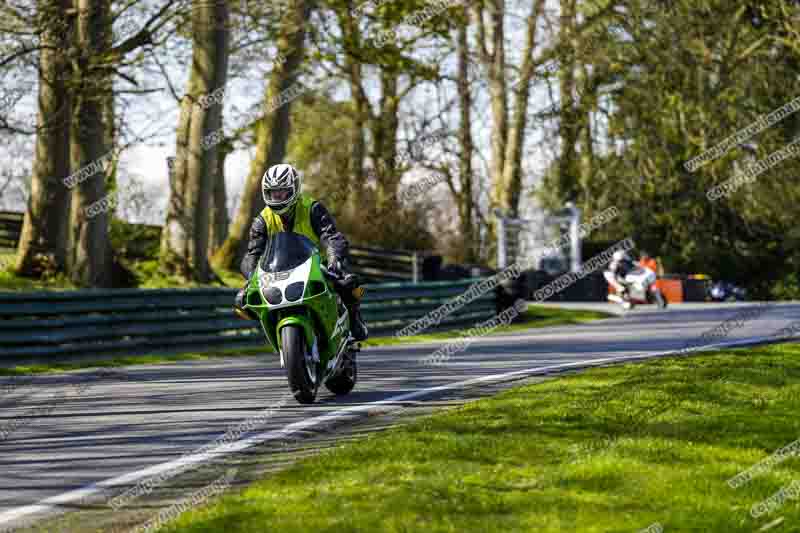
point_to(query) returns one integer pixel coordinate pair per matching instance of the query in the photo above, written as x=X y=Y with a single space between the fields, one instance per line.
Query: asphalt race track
x=86 y=435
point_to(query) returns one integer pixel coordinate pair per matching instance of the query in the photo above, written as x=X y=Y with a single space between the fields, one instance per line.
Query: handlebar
x=338 y=278
x=334 y=275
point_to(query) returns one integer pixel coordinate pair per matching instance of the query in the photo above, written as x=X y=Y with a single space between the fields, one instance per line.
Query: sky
x=153 y=117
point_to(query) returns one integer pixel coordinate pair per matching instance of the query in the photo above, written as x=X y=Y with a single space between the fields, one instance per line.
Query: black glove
x=241 y=295
x=337 y=265
x=341 y=269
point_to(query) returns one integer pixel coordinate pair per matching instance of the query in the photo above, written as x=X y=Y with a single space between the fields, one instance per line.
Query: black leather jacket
x=336 y=246
x=621 y=268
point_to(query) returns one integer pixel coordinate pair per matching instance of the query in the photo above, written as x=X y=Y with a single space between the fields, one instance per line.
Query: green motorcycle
x=303 y=317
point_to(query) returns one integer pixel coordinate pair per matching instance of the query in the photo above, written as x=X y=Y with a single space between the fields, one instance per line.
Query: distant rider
x=621 y=264
x=290 y=210
x=648 y=262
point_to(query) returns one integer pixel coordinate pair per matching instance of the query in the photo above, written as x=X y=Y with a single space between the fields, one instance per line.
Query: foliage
x=787 y=288
x=716 y=71
x=134 y=241
x=316 y=147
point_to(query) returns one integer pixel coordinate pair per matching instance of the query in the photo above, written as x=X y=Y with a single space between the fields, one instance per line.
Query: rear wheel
x=300 y=369
x=661 y=302
x=346 y=380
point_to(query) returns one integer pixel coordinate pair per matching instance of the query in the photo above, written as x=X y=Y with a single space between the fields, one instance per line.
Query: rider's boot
x=238 y=307
x=358 y=329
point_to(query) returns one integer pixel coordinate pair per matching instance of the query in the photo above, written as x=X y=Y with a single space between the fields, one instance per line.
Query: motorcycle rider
x=648 y=262
x=287 y=209
x=619 y=267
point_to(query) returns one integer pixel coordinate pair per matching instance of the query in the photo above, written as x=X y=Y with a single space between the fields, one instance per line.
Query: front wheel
x=302 y=377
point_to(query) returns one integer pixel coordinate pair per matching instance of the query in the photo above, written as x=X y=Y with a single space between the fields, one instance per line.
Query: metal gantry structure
x=509 y=245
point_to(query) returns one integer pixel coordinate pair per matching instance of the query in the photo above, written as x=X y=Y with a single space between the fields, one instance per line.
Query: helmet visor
x=280 y=195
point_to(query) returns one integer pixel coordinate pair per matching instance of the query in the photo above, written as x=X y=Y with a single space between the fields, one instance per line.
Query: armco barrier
x=10 y=228
x=127 y=321
x=373 y=265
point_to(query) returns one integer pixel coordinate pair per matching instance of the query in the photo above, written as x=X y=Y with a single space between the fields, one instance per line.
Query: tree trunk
x=109 y=121
x=218 y=229
x=44 y=230
x=185 y=239
x=568 y=129
x=494 y=62
x=384 y=132
x=499 y=101
x=587 y=108
x=89 y=257
x=464 y=197
x=362 y=111
x=512 y=171
x=272 y=133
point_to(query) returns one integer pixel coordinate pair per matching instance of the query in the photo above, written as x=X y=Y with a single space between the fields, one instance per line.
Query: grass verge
x=146 y=272
x=535 y=317
x=613 y=449
x=129 y=360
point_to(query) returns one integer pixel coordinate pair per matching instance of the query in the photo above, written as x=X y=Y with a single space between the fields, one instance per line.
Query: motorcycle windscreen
x=286 y=251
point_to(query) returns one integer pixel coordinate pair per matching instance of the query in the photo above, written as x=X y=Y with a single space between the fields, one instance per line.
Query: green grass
x=147 y=274
x=129 y=360
x=613 y=449
x=9 y=281
x=534 y=317
x=149 y=277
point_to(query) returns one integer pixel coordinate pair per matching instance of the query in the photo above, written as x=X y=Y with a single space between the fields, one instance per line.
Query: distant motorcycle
x=640 y=288
x=722 y=291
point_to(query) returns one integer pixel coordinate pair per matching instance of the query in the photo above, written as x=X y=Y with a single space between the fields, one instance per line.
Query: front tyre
x=293 y=344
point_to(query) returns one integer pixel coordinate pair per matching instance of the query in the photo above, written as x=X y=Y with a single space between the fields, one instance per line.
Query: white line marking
x=49 y=504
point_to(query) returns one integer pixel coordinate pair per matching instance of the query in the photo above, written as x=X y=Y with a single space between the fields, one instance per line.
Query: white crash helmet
x=280 y=187
x=618 y=256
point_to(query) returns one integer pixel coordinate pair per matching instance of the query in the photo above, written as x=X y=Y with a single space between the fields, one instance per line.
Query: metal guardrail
x=10 y=228
x=381 y=265
x=129 y=321
x=373 y=265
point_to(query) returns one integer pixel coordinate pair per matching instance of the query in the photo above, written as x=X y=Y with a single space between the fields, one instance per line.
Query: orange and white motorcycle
x=638 y=286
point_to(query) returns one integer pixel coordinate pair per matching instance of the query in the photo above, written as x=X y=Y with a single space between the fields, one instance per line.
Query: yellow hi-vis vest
x=302 y=219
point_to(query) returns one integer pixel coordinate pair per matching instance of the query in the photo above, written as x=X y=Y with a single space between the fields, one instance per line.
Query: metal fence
x=374 y=265
x=10 y=228
x=381 y=265
x=134 y=321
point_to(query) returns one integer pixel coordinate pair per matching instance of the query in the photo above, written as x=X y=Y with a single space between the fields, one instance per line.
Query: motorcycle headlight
x=272 y=295
x=295 y=291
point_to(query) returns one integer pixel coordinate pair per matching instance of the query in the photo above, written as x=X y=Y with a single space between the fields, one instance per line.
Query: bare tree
x=44 y=231
x=184 y=241
x=512 y=161
x=272 y=131
x=89 y=259
x=508 y=133
x=465 y=199
x=218 y=219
